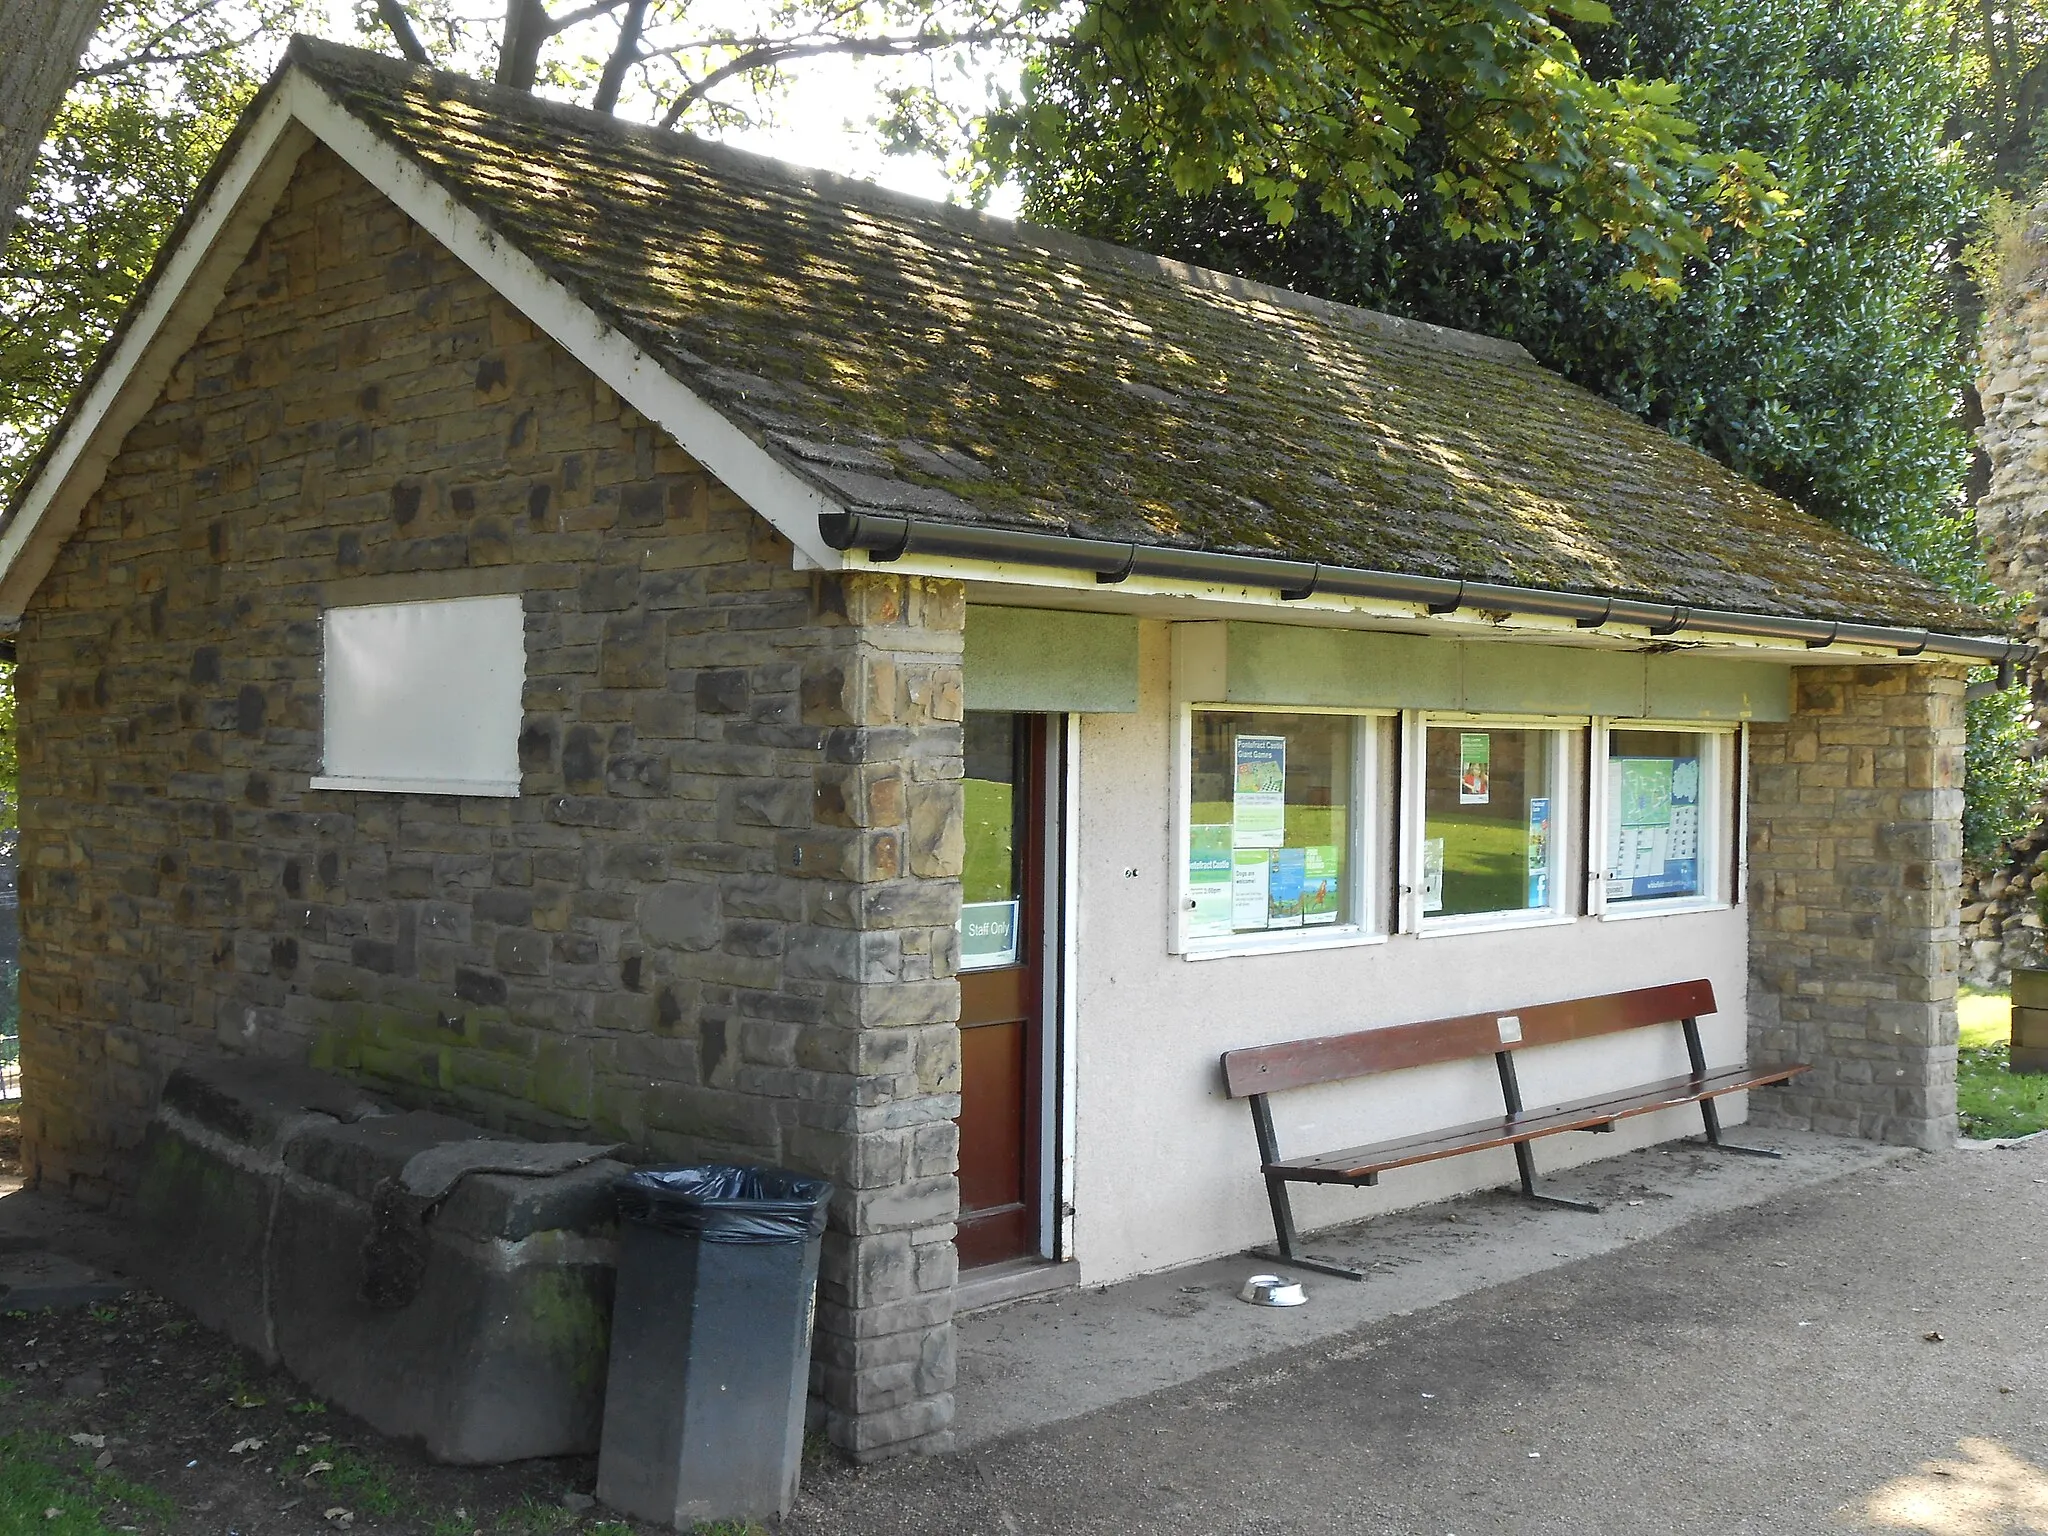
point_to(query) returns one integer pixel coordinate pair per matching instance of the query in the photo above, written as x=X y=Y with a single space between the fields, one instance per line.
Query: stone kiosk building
x=613 y=638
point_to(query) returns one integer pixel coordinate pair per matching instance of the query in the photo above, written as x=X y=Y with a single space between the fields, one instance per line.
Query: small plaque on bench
x=1510 y=1025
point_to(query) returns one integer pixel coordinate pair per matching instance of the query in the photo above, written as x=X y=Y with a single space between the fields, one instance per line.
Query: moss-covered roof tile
x=903 y=354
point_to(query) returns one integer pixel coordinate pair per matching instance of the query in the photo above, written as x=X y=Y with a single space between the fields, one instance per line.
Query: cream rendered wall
x=1165 y=1168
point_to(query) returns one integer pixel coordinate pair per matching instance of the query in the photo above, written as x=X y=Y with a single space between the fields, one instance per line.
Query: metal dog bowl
x=1272 y=1291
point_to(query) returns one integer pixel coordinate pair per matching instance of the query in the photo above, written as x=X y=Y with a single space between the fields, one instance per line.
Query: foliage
x=2002 y=115
x=1817 y=357
x=2002 y=779
x=124 y=157
x=1280 y=104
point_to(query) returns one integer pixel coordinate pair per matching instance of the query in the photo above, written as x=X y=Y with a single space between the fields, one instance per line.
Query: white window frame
x=497 y=706
x=1364 y=855
x=1721 y=762
x=1563 y=908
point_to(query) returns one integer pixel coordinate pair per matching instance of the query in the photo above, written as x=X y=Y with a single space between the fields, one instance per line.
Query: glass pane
x=992 y=877
x=1655 y=786
x=1489 y=820
x=1269 y=826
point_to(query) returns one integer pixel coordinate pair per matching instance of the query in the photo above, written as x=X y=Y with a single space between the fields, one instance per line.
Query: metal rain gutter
x=891 y=536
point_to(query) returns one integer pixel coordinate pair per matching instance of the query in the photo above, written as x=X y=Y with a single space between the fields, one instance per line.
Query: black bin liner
x=725 y=1203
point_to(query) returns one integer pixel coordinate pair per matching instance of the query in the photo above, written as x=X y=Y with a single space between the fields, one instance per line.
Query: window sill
x=1492 y=922
x=1662 y=909
x=1288 y=944
x=501 y=789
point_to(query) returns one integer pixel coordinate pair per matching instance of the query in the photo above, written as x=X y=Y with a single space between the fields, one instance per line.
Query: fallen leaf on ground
x=320 y=1466
x=243 y=1447
x=1933 y=1338
x=91 y=1442
x=341 y=1515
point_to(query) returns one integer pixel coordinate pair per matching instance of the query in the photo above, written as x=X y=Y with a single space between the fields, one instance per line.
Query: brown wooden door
x=1002 y=986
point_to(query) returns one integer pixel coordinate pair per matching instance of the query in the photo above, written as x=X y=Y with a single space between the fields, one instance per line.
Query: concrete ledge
x=1057 y=1357
x=256 y=1209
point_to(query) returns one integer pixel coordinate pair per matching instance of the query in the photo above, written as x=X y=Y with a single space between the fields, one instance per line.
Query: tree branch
x=622 y=57
x=392 y=14
x=768 y=54
x=589 y=12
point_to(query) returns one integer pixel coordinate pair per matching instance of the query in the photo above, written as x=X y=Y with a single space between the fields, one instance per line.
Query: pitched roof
x=901 y=355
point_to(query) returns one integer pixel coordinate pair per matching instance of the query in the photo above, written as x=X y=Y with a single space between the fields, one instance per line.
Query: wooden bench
x=1260 y=1071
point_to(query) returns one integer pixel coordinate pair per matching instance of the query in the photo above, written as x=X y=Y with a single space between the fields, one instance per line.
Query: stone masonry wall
x=717 y=921
x=2002 y=923
x=1855 y=863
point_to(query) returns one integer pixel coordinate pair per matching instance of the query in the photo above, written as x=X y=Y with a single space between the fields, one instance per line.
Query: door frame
x=1060 y=1005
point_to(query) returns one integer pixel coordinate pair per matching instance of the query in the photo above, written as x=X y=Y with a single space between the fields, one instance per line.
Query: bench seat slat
x=1353 y=1164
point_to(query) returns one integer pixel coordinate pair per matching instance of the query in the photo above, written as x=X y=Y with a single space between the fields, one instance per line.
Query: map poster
x=1432 y=874
x=1258 y=808
x=1539 y=851
x=1653 y=846
x=1209 y=902
x=1284 y=884
x=1475 y=768
x=1249 y=869
x=1319 y=894
x=1646 y=791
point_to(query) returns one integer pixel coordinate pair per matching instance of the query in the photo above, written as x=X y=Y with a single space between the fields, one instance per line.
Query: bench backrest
x=1334 y=1058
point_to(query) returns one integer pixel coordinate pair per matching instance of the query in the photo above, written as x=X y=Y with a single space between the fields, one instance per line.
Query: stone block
x=257 y=1212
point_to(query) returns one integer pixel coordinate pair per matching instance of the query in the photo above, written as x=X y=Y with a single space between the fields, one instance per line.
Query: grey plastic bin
x=711 y=1343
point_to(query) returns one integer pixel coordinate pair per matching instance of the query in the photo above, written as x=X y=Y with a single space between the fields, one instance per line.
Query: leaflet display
x=1653 y=847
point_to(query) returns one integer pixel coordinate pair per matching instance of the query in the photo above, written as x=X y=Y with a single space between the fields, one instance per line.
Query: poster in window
x=1319 y=894
x=1432 y=874
x=1475 y=768
x=1285 y=882
x=1249 y=869
x=1539 y=851
x=1259 y=800
x=1654 y=848
x=1209 y=899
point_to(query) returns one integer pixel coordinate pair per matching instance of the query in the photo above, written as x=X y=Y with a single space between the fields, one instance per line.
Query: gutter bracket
x=1122 y=572
x=1679 y=616
x=1606 y=613
x=1297 y=594
x=881 y=556
x=1821 y=645
x=1915 y=650
x=1456 y=602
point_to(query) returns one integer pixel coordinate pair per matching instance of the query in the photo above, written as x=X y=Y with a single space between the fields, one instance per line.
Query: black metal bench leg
x=1287 y=1242
x=1710 y=1117
x=1525 y=1162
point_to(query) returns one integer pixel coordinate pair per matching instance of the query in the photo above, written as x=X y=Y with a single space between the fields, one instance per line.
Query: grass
x=346 y=1477
x=1991 y=1101
x=44 y=1487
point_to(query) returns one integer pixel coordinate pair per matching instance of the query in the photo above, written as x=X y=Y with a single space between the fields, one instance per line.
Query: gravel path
x=1862 y=1356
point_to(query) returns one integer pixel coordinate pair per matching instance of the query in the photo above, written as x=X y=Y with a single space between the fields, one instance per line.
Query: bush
x=2002 y=778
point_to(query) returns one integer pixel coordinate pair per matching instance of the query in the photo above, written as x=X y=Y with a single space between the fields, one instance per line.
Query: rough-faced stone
x=645 y=941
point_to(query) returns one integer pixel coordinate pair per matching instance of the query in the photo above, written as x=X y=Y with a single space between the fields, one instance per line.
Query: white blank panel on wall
x=423 y=697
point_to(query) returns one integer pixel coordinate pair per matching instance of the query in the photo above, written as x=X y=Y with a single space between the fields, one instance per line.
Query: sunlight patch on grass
x=1983 y=1018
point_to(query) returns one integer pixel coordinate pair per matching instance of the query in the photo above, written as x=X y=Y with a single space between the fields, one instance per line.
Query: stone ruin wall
x=2001 y=917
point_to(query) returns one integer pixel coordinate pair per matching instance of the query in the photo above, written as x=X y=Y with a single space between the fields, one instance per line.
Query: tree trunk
x=40 y=41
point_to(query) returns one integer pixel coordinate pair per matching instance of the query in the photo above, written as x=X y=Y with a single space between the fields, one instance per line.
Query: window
x=423 y=697
x=1488 y=844
x=1275 y=832
x=1663 y=810
x=992 y=876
